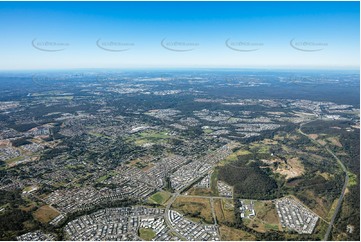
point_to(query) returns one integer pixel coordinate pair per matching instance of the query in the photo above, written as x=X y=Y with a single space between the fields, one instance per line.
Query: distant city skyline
x=136 y=35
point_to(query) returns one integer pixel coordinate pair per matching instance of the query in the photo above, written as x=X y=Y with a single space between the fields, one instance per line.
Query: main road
x=166 y=217
x=339 y=203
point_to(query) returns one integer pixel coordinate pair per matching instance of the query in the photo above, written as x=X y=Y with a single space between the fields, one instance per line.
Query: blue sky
x=194 y=34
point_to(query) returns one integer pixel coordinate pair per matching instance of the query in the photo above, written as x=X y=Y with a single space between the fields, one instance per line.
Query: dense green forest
x=13 y=220
x=20 y=142
x=248 y=179
x=350 y=211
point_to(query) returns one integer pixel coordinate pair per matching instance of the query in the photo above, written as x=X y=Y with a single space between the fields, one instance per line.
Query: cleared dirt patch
x=45 y=214
x=313 y=136
x=321 y=142
x=270 y=142
x=325 y=175
x=335 y=141
x=311 y=148
x=290 y=168
x=293 y=168
x=293 y=137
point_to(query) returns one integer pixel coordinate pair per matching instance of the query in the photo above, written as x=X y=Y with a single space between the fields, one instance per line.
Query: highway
x=339 y=203
x=338 y=206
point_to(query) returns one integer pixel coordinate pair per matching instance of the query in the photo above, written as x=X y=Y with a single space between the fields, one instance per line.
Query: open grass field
x=12 y=161
x=262 y=146
x=223 y=211
x=266 y=211
x=160 y=197
x=26 y=208
x=232 y=234
x=207 y=131
x=263 y=149
x=100 y=135
x=45 y=214
x=266 y=218
x=144 y=163
x=218 y=209
x=214 y=179
x=194 y=207
x=269 y=142
x=352 y=179
x=228 y=204
x=196 y=191
x=234 y=156
x=103 y=178
x=146 y=234
x=332 y=210
x=150 y=137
